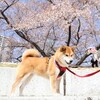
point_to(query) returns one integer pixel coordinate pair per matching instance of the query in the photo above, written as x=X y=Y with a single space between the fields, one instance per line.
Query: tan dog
x=32 y=63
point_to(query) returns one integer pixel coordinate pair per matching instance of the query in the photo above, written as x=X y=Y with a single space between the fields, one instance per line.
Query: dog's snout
x=71 y=61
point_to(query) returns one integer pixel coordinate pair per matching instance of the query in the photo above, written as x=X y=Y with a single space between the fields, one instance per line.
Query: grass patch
x=8 y=64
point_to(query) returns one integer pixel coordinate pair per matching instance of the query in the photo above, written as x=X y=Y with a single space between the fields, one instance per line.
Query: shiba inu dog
x=32 y=63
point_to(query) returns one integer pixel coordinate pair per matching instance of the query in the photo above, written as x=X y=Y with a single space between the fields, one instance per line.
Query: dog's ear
x=63 y=49
x=73 y=48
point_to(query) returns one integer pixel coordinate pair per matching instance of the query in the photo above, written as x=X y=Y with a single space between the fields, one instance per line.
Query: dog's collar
x=62 y=69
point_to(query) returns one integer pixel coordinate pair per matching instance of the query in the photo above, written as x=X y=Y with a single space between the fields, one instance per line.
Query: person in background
x=96 y=56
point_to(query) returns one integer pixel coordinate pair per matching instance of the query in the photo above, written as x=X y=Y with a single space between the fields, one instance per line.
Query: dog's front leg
x=58 y=85
x=53 y=83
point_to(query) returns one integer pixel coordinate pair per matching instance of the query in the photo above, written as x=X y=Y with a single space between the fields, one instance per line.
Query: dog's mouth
x=67 y=62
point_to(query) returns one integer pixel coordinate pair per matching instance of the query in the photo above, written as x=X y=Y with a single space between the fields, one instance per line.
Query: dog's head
x=65 y=55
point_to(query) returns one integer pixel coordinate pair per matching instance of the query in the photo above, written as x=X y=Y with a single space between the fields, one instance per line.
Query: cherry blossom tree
x=48 y=24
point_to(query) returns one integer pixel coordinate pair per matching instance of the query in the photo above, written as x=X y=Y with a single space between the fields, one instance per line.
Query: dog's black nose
x=71 y=61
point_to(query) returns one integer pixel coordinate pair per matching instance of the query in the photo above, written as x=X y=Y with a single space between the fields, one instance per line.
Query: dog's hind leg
x=16 y=83
x=24 y=83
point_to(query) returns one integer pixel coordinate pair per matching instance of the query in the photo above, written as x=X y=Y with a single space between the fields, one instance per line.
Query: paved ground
x=75 y=86
x=39 y=88
x=52 y=98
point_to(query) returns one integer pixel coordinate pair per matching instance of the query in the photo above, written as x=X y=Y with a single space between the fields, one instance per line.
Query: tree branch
x=46 y=39
x=54 y=40
x=78 y=37
x=8 y=6
x=4 y=17
x=69 y=36
x=31 y=42
x=51 y=2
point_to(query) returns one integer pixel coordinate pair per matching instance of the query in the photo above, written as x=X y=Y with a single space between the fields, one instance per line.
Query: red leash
x=63 y=69
x=87 y=75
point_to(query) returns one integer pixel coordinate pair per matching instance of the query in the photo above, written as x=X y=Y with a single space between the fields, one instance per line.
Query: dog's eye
x=66 y=55
x=71 y=55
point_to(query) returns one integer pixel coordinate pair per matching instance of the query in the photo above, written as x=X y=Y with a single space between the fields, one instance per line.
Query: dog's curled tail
x=30 y=53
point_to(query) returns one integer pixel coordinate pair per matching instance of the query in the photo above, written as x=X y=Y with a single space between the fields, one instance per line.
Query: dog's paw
x=12 y=95
x=57 y=94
